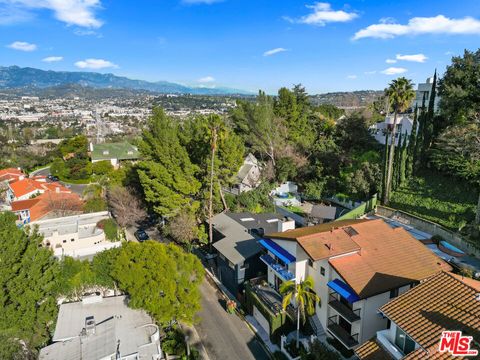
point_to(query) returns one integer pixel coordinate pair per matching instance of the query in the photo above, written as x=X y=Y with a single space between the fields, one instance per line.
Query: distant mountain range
x=14 y=77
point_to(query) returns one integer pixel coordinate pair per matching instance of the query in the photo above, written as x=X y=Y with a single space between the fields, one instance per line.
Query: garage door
x=261 y=320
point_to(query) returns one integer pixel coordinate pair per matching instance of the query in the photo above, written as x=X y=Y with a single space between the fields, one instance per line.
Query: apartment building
x=357 y=266
x=416 y=320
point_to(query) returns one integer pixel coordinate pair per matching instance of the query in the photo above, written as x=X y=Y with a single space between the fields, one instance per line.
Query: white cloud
x=50 y=59
x=72 y=12
x=421 y=25
x=95 y=64
x=274 y=51
x=390 y=61
x=22 y=46
x=394 y=71
x=370 y=72
x=206 y=79
x=195 y=2
x=414 y=57
x=322 y=13
x=352 y=77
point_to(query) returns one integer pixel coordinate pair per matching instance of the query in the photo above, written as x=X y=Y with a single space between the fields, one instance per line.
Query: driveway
x=76 y=188
x=225 y=336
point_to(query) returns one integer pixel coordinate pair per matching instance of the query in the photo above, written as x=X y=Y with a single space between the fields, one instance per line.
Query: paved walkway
x=225 y=336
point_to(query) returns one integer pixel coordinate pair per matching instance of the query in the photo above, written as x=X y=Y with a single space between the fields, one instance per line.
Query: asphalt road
x=225 y=336
x=76 y=188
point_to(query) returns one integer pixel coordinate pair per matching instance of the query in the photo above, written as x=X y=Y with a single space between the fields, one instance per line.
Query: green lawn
x=441 y=199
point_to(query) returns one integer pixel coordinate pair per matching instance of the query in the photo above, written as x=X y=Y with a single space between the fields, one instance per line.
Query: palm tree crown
x=303 y=295
x=400 y=94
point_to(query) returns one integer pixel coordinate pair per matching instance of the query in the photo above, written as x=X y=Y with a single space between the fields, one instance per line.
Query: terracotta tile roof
x=27 y=186
x=388 y=259
x=10 y=174
x=311 y=230
x=48 y=202
x=371 y=350
x=442 y=302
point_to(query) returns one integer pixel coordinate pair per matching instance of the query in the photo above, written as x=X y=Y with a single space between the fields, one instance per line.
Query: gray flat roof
x=116 y=324
x=238 y=244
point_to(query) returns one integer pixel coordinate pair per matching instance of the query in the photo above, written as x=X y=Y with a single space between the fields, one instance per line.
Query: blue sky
x=246 y=44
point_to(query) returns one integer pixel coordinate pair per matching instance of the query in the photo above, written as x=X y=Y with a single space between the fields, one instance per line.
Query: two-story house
x=416 y=320
x=357 y=267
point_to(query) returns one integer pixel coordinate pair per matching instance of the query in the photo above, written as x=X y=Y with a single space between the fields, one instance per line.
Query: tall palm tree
x=303 y=296
x=400 y=94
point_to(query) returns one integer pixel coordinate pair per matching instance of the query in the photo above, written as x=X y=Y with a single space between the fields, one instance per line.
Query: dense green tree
x=403 y=162
x=459 y=89
x=410 y=159
x=260 y=127
x=75 y=145
x=363 y=182
x=419 y=140
x=293 y=106
x=166 y=173
x=103 y=167
x=28 y=279
x=352 y=134
x=400 y=94
x=285 y=169
x=162 y=279
x=457 y=152
x=428 y=124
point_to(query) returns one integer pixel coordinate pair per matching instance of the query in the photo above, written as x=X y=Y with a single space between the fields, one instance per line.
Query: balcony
x=279 y=269
x=342 y=335
x=343 y=310
x=270 y=297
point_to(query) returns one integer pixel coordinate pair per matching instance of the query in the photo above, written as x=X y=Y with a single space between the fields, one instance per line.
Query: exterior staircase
x=317 y=327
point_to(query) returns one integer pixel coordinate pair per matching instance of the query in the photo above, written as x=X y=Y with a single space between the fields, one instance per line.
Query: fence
x=429 y=227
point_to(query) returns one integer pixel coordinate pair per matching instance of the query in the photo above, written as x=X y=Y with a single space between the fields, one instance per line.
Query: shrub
x=109 y=226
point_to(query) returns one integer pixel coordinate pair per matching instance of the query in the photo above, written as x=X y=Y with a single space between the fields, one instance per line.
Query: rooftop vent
x=350 y=231
x=247 y=219
x=105 y=152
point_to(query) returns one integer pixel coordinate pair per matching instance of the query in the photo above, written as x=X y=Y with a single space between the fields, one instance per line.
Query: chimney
x=284 y=225
x=57 y=189
x=90 y=325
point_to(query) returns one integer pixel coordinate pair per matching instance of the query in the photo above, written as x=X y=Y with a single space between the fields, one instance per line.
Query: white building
x=75 y=236
x=357 y=267
x=404 y=126
x=425 y=89
x=99 y=328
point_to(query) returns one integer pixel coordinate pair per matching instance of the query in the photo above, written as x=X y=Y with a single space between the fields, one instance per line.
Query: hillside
x=347 y=99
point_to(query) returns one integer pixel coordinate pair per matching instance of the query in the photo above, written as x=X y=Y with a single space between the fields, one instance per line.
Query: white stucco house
x=404 y=126
x=75 y=236
x=357 y=267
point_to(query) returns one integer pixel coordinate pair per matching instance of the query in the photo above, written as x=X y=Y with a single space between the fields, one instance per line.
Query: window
x=64 y=241
x=404 y=342
x=322 y=270
x=393 y=293
x=72 y=240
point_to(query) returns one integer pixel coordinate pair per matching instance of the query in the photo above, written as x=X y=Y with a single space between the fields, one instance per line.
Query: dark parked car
x=52 y=178
x=141 y=235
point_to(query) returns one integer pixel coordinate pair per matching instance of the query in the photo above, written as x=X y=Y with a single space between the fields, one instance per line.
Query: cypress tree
x=397 y=161
x=419 y=142
x=428 y=123
x=410 y=159
x=403 y=161
x=385 y=166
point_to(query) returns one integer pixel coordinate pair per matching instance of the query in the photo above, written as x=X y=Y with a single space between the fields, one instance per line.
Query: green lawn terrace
x=444 y=200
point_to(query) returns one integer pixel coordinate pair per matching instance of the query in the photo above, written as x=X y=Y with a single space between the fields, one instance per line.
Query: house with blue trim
x=235 y=238
x=357 y=267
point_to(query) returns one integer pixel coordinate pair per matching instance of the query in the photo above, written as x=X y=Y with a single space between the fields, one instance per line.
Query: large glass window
x=404 y=342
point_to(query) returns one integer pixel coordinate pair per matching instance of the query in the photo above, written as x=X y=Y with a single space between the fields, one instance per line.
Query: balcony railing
x=281 y=270
x=343 y=310
x=342 y=335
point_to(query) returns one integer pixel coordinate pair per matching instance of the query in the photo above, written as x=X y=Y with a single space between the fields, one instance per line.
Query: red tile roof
x=10 y=174
x=442 y=302
x=27 y=186
x=48 y=202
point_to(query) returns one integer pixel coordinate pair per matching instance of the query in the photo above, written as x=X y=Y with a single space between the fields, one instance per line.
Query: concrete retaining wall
x=429 y=227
